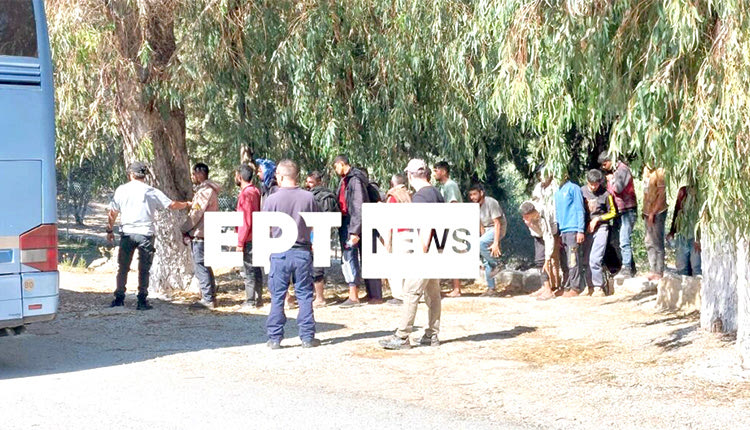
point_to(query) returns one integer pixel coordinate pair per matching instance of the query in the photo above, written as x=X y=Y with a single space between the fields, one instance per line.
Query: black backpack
x=327 y=200
x=373 y=193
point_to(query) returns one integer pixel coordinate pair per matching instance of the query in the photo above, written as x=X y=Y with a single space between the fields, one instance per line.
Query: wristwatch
x=109 y=230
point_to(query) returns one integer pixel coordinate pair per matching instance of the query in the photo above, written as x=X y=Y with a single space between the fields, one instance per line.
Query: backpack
x=373 y=193
x=327 y=201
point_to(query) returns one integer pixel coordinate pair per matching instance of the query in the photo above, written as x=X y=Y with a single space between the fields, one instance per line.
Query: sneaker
x=395 y=302
x=143 y=305
x=349 y=304
x=429 y=340
x=490 y=293
x=119 y=301
x=311 y=343
x=394 y=342
x=571 y=293
x=203 y=304
x=495 y=271
x=273 y=344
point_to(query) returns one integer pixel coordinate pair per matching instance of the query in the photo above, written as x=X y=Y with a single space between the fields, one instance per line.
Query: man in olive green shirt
x=448 y=187
x=451 y=194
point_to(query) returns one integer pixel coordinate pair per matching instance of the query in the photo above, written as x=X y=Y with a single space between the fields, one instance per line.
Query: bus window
x=18 y=29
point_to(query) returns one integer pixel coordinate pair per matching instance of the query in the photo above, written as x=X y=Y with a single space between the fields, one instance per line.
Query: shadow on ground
x=88 y=335
x=676 y=339
x=497 y=335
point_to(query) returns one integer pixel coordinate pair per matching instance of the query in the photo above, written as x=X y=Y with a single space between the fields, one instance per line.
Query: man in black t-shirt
x=418 y=174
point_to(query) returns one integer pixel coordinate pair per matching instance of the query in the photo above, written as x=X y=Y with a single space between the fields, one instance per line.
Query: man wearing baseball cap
x=136 y=202
x=413 y=289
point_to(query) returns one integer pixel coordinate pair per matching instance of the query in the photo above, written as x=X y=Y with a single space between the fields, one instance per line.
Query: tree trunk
x=743 y=302
x=153 y=128
x=725 y=295
x=719 y=289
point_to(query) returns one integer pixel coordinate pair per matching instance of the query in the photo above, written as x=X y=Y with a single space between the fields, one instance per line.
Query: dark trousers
x=297 y=262
x=128 y=245
x=572 y=255
x=253 y=276
x=655 y=243
x=205 y=275
x=351 y=258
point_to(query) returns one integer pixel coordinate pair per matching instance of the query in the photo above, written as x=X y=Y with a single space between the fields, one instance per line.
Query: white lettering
x=322 y=223
x=427 y=241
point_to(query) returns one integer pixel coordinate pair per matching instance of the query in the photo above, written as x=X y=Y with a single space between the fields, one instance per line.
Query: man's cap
x=138 y=168
x=416 y=165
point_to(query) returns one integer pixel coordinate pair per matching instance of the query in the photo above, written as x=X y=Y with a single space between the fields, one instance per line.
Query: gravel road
x=506 y=362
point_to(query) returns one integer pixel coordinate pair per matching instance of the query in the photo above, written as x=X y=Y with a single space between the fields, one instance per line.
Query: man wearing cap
x=418 y=175
x=137 y=203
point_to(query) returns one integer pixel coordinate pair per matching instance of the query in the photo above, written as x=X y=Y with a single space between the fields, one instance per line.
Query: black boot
x=143 y=305
x=118 y=301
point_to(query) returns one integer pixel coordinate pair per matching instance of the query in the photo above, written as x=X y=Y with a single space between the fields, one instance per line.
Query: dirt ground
x=566 y=363
x=505 y=361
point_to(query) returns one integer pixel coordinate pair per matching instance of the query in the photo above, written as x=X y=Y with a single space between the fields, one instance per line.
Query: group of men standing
x=136 y=203
x=572 y=228
x=575 y=227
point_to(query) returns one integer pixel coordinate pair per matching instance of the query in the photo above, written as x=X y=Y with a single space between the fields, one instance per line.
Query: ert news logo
x=425 y=241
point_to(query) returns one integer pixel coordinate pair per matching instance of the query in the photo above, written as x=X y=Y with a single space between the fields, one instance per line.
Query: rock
x=98 y=262
x=510 y=279
x=679 y=293
x=532 y=280
x=635 y=285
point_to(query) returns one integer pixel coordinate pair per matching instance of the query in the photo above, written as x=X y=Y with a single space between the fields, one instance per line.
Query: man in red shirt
x=248 y=202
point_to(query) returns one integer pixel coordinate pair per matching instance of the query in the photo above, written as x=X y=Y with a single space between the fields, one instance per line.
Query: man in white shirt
x=136 y=202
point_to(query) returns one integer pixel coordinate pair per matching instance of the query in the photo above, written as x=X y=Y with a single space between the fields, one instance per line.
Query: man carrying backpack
x=327 y=202
x=352 y=193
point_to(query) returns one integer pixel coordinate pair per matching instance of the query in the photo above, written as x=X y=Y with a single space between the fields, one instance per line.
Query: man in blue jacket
x=570 y=217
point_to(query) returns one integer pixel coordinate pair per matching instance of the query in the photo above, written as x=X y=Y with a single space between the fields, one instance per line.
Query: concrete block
x=679 y=293
x=635 y=285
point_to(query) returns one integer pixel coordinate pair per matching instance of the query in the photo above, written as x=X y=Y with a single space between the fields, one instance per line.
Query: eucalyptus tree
x=376 y=79
x=671 y=77
x=115 y=62
x=475 y=81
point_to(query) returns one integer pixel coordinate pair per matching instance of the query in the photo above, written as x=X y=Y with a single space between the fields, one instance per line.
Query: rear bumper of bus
x=38 y=301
